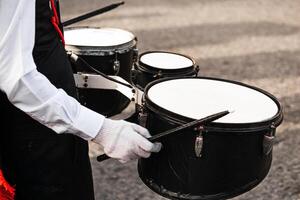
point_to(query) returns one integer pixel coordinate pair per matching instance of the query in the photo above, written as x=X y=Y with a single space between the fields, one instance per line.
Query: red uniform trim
x=55 y=21
x=7 y=192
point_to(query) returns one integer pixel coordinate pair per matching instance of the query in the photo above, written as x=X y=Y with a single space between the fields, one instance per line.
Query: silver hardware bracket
x=117 y=64
x=199 y=142
x=268 y=140
x=143 y=115
x=158 y=75
x=135 y=54
x=143 y=119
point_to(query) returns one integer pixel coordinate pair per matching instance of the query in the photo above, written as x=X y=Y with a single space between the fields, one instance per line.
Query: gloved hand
x=125 y=141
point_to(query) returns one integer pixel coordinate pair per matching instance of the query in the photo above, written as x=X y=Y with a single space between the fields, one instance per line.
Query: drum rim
x=95 y=50
x=179 y=119
x=153 y=70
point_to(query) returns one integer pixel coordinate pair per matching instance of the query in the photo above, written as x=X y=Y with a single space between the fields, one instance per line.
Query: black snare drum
x=219 y=160
x=108 y=50
x=153 y=65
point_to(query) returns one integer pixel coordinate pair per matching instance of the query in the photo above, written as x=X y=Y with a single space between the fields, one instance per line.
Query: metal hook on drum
x=135 y=54
x=143 y=115
x=158 y=75
x=199 y=142
x=268 y=140
x=116 y=66
x=133 y=73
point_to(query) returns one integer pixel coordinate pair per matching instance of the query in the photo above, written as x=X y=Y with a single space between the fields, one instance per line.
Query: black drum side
x=106 y=102
x=234 y=158
x=231 y=163
x=143 y=73
x=111 y=57
x=105 y=64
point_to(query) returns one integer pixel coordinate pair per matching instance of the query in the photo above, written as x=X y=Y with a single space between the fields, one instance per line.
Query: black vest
x=43 y=164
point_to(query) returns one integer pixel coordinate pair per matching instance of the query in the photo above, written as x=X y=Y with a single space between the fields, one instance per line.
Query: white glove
x=125 y=141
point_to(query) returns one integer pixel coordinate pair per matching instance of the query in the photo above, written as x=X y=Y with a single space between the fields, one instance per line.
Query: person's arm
x=28 y=89
x=33 y=93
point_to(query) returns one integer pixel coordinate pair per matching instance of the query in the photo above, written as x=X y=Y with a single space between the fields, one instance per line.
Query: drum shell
x=105 y=62
x=106 y=102
x=231 y=163
x=232 y=160
x=142 y=74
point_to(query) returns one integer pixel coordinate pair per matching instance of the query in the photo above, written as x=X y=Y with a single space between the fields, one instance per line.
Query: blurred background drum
x=153 y=65
x=108 y=51
x=219 y=160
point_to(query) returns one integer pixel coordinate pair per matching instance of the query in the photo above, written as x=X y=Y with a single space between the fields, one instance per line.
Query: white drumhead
x=198 y=98
x=165 y=60
x=97 y=37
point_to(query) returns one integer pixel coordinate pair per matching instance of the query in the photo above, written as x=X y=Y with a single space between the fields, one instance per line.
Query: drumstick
x=164 y=134
x=92 y=14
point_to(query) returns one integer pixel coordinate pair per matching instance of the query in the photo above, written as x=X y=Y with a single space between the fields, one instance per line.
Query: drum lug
x=135 y=54
x=143 y=119
x=268 y=141
x=133 y=74
x=116 y=66
x=143 y=116
x=199 y=142
x=158 y=75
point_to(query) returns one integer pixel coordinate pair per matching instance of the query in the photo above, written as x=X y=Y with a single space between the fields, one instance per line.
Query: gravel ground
x=256 y=42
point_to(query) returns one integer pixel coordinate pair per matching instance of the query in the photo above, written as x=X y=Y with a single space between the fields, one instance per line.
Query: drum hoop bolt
x=199 y=141
x=116 y=66
x=143 y=115
x=158 y=75
x=269 y=140
x=135 y=54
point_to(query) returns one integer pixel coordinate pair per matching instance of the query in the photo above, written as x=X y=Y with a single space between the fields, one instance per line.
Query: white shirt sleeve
x=30 y=90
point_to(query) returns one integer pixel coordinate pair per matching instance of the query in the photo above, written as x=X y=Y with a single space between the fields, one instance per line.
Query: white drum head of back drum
x=165 y=60
x=97 y=37
x=198 y=98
